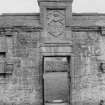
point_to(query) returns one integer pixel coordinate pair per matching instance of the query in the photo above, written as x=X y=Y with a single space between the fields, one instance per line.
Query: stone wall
x=88 y=82
x=20 y=55
x=23 y=85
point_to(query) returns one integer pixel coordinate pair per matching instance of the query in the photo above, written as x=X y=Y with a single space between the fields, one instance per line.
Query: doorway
x=56 y=82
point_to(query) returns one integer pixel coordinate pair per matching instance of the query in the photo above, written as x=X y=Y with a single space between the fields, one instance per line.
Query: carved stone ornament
x=56 y=22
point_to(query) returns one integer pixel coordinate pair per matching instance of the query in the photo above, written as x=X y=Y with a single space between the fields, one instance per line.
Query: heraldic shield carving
x=56 y=22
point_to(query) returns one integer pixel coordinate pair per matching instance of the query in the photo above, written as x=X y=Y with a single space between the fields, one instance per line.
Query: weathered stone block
x=3 y=44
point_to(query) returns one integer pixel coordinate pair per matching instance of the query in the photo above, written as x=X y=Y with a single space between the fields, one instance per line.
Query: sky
x=31 y=6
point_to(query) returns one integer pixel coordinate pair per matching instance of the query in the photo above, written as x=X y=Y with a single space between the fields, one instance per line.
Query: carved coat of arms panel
x=56 y=22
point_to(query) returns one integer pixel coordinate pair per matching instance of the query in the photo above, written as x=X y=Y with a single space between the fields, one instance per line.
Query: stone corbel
x=9 y=32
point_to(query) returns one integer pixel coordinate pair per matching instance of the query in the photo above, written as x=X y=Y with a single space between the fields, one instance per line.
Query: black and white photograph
x=52 y=52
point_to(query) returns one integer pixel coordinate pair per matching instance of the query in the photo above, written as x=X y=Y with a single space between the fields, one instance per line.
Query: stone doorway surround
x=60 y=66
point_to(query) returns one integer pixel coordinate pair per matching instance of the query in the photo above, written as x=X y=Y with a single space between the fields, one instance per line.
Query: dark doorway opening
x=56 y=81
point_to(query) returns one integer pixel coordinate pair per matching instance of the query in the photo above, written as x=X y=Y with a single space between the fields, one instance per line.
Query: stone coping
x=55 y=0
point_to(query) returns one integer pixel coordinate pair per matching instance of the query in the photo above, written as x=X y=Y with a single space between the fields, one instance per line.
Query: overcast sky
x=30 y=6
